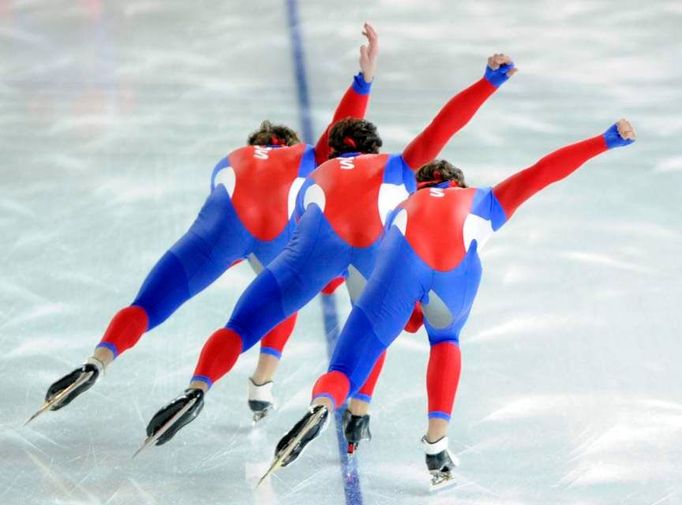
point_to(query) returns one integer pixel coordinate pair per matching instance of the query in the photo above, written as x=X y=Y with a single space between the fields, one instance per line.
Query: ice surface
x=112 y=115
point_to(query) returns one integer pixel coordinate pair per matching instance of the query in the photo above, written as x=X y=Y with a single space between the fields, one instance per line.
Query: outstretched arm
x=458 y=112
x=518 y=188
x=354 y=101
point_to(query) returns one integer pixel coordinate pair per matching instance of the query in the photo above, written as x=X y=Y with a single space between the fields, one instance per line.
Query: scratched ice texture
x=112 y=115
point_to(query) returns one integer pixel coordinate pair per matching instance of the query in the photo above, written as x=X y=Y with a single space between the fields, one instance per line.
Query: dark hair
x=438 y=171
x=353 y=135
x=273 y=134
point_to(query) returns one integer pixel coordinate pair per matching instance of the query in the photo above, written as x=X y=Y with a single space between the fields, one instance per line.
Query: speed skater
x=339 y=232
x=247 y=215
x=430 y=254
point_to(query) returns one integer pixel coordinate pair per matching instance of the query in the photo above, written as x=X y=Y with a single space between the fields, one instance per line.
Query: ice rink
x=112 y=116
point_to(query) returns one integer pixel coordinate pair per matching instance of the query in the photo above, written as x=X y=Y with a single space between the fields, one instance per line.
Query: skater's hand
x=369 y=52
x=500 y=68
x=620 y=134
x=625 y=130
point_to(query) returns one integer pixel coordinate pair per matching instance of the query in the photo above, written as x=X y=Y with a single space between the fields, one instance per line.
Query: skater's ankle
x=323 y=400
x=104 y=356
x=199 y=385
x=358 y=407
x=265 y=370
x=259 y=380
x=438 y=428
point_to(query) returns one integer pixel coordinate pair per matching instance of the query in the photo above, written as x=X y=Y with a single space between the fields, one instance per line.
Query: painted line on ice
x=349 y=470
x=300 y=70
x=349 y=466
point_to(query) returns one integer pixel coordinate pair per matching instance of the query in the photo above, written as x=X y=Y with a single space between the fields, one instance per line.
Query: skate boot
x=174 y=416
x=305 y=431
x=261 y=401
x=356 y=428
x=440 y=462
x=66 y=389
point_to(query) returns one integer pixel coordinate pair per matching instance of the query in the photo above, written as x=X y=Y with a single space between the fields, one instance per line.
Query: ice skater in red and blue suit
x=247 y=215
x=430 y=255
x=339 y=231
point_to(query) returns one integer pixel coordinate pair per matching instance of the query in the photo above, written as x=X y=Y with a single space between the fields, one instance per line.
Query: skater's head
x=352 y=135
x=269 y=134
x=439 y=171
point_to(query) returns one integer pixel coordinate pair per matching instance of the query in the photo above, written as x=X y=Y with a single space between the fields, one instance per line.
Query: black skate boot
x=356 y=428
x=290 y=447
x=174 y=416
x=261 y=401
x=440 y=462
x=66 y=389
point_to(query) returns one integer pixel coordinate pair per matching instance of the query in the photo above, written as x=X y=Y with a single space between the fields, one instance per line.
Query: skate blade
x=151 y=440
x=60 y=396
x=259 y=416
x=277 y=462
x=442 y=481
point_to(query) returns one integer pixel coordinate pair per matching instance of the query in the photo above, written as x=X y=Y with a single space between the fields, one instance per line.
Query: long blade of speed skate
x=60 y=396
x=279 y=459
x=151 y=440
x=441 y=481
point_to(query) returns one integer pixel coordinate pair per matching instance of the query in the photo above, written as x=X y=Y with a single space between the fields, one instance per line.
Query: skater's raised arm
x=457 y=112
x=354 y=101
x=518 y=188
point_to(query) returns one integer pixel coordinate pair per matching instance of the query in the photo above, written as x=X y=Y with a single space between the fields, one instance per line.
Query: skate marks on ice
x=531 y=325
x=48 y=478
x=591 y=440
x=411 y=483
x=633 y=447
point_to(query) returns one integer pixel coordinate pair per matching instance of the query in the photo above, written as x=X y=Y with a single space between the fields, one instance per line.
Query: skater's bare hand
x=626 y=130
x=369 y=52
x=497 y=60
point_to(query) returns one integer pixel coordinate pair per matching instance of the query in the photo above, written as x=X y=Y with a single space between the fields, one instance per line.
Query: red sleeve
x=452 y=118
x=518 y=188
x=353 y=104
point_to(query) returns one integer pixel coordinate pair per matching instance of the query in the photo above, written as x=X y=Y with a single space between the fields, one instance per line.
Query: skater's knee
x=214 y=219
x=259 y=310
x=163 y=291
x=248 y=334
x=443 y=337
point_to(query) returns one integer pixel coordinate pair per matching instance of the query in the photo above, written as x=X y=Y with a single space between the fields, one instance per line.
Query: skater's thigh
x=443 y=322
x=263 y=252
x=313 y=257
x=164 y=290
x=398 y=281
x=307 y=263
x=213 y=243
x=381 y=311
x=357 y=349
x=448 y=303
x=258 y=310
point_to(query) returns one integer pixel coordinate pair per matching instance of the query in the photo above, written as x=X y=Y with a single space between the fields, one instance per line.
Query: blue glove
x=499 y=76
x=613 y=138
x=361 y=86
